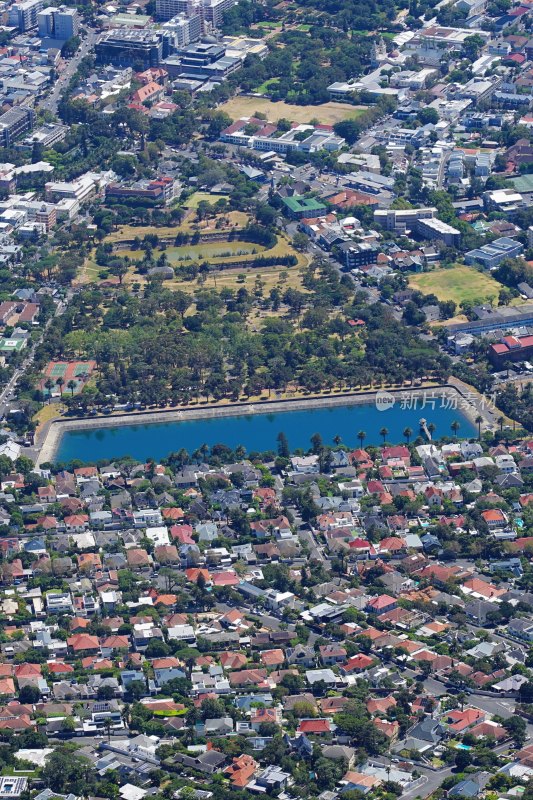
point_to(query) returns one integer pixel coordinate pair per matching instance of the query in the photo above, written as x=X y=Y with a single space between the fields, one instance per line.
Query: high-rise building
x=180 y=31
x=23 y=15
x=66 y=23
x=214 y=11
x=211 y=11
x=58 y=23
x=45 y=21
x=168 y=9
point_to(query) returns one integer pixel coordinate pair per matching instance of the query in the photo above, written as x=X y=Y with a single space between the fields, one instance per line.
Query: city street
x=7 y=395
x=51 y=101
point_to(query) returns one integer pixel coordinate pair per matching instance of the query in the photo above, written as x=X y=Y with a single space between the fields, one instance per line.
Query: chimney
x=210 y=745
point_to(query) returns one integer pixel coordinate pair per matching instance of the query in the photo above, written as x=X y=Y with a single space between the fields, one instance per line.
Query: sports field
x=327 y=113
x=460 y=284
x=77 y=371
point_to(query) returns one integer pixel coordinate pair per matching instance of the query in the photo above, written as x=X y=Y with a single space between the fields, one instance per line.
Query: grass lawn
x=211 y=250
x=268 y=25
x=229 y=279
x=197 y=197
x=460 y=284
x=235 y=219
x=47 y=412
x=266 y=86
x=269 y=275
x=327 y=113
x=208 y=250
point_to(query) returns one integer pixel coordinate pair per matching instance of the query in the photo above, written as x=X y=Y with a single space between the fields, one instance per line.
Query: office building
x=58 y=23
x=81 y=189
x=359 y=254
x=202 y=61
x=14 y=123
x=491 y=255
x=125 y=47
x=23 y=15
x=160 y=190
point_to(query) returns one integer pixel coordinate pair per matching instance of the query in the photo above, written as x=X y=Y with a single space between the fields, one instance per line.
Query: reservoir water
x=259 y=431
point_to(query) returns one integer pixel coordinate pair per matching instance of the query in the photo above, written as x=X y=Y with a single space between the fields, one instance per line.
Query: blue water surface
x=258 y=431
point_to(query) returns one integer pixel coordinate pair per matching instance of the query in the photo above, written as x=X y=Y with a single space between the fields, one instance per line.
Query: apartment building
x=23 y=15
x=58 y=23
x=168 y=9
x=47 y=135
x=14 y=123
x=436 y=230
x=402 y=220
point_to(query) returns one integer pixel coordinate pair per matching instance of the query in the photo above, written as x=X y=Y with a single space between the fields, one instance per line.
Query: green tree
x=66 y=772
x=29 y=694
x=283 y=445
x=49 y=384
x=517 y=728
x=463 y=759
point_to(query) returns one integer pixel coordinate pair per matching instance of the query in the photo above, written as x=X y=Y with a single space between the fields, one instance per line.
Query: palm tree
x=126 y=714
x=108 y=725
x=71 y=385
x=384 y=432
x=361 y=436
x=431 y=428
x=501 y=420
x=407 y=432
x=60 y=382
x=478 y=420
x=455 y=426
x=337 y=440
x=48 y=385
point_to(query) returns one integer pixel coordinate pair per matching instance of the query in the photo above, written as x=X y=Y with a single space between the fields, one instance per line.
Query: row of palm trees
x=60 y=382
x=408 y=432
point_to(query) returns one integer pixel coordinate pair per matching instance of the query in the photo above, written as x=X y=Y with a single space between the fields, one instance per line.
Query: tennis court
x=78 y=372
